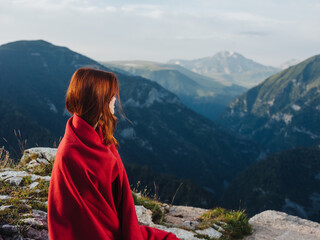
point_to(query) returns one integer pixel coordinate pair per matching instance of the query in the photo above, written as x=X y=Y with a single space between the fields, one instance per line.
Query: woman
x=89 y=193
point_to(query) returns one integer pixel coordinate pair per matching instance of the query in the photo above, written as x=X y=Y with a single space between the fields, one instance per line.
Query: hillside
x=283 y=111
x=287 y=181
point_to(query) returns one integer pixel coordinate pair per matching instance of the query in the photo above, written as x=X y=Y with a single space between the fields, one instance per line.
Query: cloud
x=144 y=10
x=165 y=29
x=247 y=17
x=216 y=36
x=63 y=6
x=254 y=33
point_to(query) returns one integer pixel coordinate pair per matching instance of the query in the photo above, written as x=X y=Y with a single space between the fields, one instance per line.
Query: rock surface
x=281 y=226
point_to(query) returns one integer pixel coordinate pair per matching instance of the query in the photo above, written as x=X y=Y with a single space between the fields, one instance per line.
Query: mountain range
x=166 y=135
x=202 y=94
x=229 y=67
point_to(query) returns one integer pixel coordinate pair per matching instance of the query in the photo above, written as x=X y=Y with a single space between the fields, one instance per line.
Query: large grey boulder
x=281 y=226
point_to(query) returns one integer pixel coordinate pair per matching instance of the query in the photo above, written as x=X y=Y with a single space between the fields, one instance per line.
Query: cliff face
x=23 y=205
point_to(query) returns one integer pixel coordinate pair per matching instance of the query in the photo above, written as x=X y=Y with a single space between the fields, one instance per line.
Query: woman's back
x=89 y=192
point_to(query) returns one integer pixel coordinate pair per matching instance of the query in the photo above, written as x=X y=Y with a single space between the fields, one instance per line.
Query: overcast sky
x=269 y=31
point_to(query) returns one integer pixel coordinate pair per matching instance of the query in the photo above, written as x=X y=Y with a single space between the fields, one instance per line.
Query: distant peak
x=28 y=42
x=226 y=54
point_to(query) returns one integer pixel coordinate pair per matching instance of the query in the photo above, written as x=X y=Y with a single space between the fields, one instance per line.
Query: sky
x=270 y=32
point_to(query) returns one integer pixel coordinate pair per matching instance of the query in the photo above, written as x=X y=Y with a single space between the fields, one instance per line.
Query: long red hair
x=88 y=96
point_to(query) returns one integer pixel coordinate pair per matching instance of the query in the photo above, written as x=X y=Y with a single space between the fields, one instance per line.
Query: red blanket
x=89 y=192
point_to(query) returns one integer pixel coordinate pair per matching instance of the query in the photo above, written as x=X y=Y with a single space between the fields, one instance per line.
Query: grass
x=44 y=169
x=28 y=159
x=5 y=160
x=13 y=215
x=154 y=206
x=202 y=236
x=39 y=205
x=235 y=223
x=26 y=180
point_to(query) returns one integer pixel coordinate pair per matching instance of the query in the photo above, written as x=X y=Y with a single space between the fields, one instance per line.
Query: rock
x=36 y=214
x=14 y=180
x=5 y=197
x=33 y=185
x=35 y=177
x=190 y=224
x=37 y=162
x=34 y=221
x=144 y=216
x=42 y=153
x=37 y=234
x=15 y=237
x=15 y=177
x=39 y=213
x=212 y=233
x=3 y=207
x=180 y=233
x=11 y=173
x=183 y=216
x=220 y=229
x=278 y=225
x=7 y=229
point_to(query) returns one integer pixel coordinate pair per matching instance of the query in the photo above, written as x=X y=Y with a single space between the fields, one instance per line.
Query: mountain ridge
x=231 y=67
x=285 y=104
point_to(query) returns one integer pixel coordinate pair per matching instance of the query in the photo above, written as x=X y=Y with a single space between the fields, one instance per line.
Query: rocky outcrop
x=279 y=225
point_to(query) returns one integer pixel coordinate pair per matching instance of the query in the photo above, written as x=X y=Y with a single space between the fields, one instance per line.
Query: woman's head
x=91 y=95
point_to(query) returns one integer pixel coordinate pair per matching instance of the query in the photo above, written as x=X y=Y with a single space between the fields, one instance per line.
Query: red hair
x=88 y=96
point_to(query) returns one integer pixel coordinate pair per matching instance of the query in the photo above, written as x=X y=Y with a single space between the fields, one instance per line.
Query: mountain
x=166 y=135
x=34 y=76
x=202 y=94
x=229 y=67
x=286 y=181
x=11 y=121
x=168 y=188
x=282 y=112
